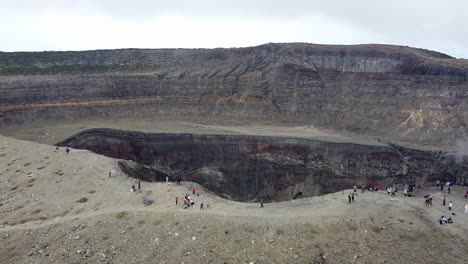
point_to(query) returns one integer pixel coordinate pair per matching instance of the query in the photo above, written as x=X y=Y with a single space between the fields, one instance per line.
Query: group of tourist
x=189 y=201
x=392 y=190
x=134 y=189
x=443 y=220
x=351 y=196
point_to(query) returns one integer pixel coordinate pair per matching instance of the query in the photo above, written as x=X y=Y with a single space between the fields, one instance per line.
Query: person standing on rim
x=261 y=203
x=443 y=200
x=450 y=205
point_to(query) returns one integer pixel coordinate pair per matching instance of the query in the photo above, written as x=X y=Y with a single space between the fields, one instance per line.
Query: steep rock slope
x=247 y=168
x=402 y=92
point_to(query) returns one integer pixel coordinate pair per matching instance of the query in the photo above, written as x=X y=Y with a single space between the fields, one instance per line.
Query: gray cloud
x=432 y=24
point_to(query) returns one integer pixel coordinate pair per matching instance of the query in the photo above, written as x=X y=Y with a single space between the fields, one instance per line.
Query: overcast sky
x=36 y=25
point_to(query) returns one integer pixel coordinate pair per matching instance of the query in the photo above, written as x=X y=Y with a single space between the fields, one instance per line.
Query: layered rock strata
x=401 y=92
x=250 y=168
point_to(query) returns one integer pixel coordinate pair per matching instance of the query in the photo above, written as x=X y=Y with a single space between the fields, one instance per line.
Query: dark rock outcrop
x=249 y=168
x=404 y=93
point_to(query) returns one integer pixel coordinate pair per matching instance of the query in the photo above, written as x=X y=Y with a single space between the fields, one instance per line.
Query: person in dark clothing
x=139 y=185
x=261 y=203
x=449 y=189
x=349 y=198
x=441 y=186
x=352 y=197
x=201 y=206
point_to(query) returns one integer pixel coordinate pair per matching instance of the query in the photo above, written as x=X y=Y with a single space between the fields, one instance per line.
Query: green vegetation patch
x=376 y=229
x=249 y=228
x=121 y=215
x=82 y=200
x=352 y=226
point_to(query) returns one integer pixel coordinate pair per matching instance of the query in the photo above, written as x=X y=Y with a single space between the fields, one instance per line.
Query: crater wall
x=404 y=93
x=250 y=168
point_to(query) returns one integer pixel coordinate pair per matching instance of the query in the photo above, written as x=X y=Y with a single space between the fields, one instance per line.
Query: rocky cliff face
x=248 y=168
x=401 y=92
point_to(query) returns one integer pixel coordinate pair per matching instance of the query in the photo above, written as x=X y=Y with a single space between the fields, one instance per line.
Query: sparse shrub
x=23 y=221
x=352 y=226
x=40 y=168
x=27 y=164
x=32 y=180
x=43 y=218
x=401 y=220
x=82 y=200
x=92 y=191
x=376 y=229
x=141 y=222
x=157 y=222
x=130 y=228
x=36 y=211
x=2 y=155
x=46 y=157
x=249 y=229
x=279 y=231
x=120 y=215
x=176 y=223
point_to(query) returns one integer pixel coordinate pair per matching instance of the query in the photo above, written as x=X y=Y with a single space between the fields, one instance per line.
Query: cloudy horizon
x=104 y=24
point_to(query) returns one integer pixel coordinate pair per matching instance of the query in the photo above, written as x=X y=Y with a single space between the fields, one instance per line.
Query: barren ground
x=46 y=220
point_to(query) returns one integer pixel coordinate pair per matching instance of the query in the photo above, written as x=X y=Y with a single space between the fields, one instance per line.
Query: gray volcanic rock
x=404 y=93
x=248 y=168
